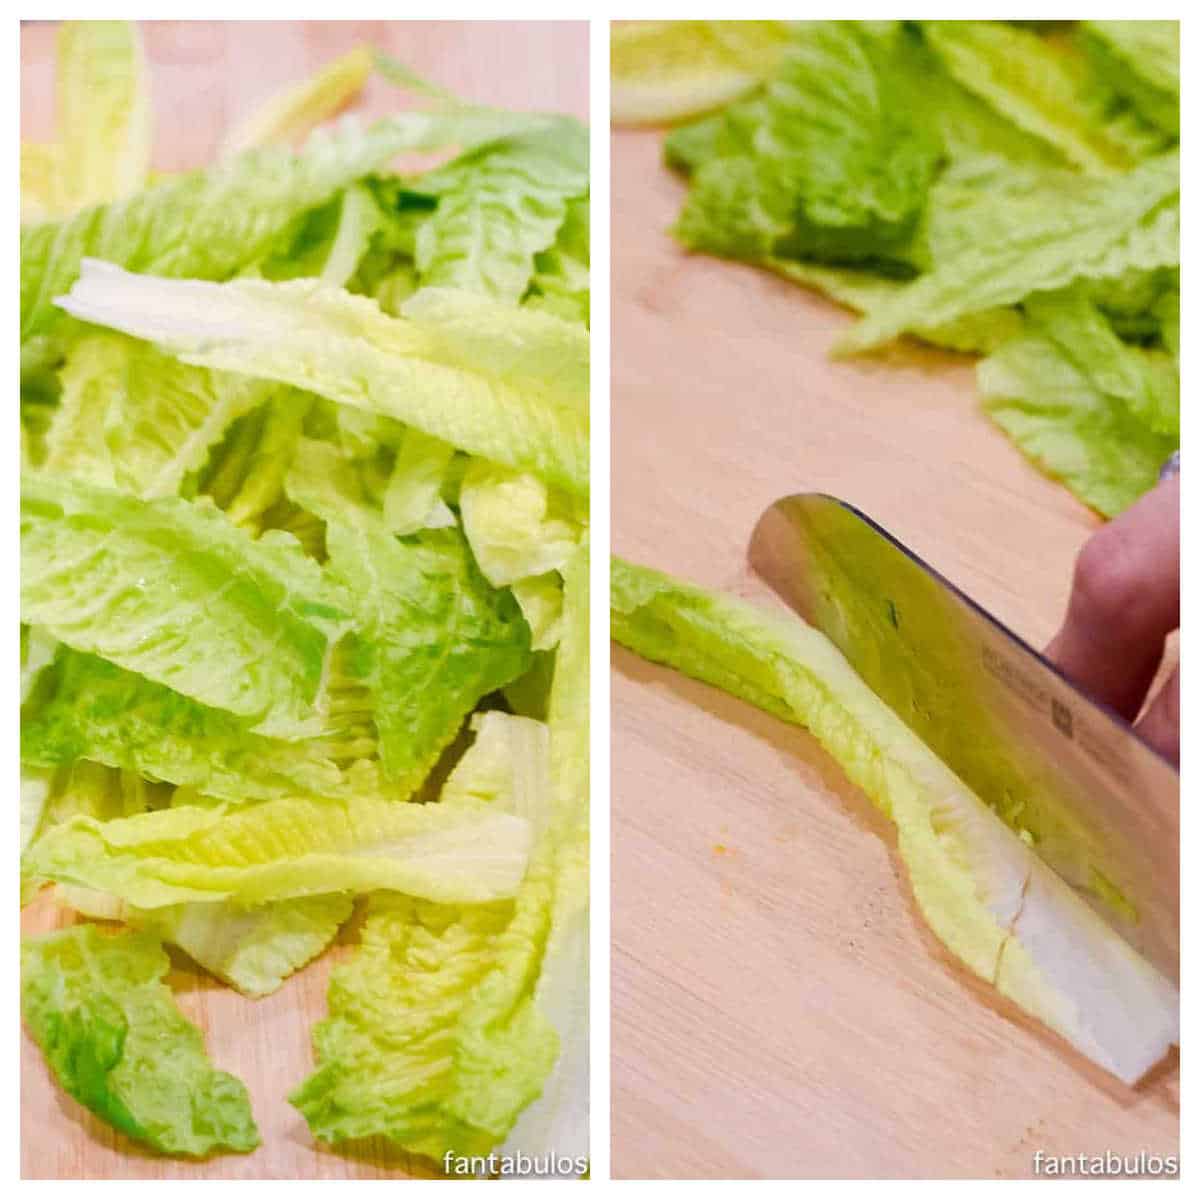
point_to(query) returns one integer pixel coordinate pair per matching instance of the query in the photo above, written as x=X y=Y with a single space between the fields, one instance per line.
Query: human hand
x=1124 y=602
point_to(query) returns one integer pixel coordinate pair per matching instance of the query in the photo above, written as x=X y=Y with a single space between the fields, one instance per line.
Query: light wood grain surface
x=779 y=1009
x=205 y=77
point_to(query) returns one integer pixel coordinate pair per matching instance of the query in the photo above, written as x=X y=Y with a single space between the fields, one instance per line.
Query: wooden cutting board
x=778 y=1007
x=207 y=75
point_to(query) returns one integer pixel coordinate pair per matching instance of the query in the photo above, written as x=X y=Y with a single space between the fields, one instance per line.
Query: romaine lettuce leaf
x=254 y=949
x=504 y=383
x=562 y=280
x=209 y=224
x=1097 y=230
x=104 y=119
x=95 y=710
x=508 y=764
x=516 y=525
x=1087 y=408
x=175 y=592
x=498 y=207
x=981 y=888
x=557 y=1121
x=1140 y=61
x=298 y=109
x=1044 y=87
x=245 y=474
x=39 y=179
x=830 y=162
x=37 y=653
x=281 y=849
x=413 y=499
x=433 y=637
x=115 y=1040
x=137 y=419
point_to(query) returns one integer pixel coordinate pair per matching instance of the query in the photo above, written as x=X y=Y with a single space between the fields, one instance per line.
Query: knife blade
x=1097 y=803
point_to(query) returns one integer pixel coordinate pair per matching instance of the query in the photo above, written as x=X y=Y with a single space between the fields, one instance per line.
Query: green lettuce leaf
x=829 y=162
x=557 y=1121
x=39 y=181
x=281 y=849
x=541 y=601
x=508 y=764
x=413 y=499
x=433 y=638
x=252 y=949
x=561 y=282
x=516 y=525
x=1097 y=230
x=1140 y=61
x=139 y=420
x=210 y=224
x=94 y=710
x=1087 y=408
x=245 y=474
x=234 y=623
x=982 y=889
x=498 y=207
x=1043 y=86
x=299 y=108
x=115 y=1040
x=506 y=384
x=37 y=653
x=105 y=124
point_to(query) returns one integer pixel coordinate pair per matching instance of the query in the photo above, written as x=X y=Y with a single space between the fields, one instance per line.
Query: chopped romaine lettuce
x=114 y=1038
x=285 y=848
x=492 y=380
x=254 y=627
x=149 y=584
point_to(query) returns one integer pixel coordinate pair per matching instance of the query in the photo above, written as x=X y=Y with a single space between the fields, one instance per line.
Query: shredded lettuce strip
x=281 y=849
x=982 y=889
x=496 y=381
x=115 y=1040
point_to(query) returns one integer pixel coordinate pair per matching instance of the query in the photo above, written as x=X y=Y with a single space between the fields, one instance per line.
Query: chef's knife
x=1098 y=804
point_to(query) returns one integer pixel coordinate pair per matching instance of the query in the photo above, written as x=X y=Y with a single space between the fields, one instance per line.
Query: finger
x=1160 y=722
x=1124 y=602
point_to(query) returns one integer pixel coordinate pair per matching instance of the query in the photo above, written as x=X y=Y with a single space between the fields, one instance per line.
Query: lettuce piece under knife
x=983 y=890
x=116 y=1041
x=504 y=383
x=285 y=848
x=175 y=592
